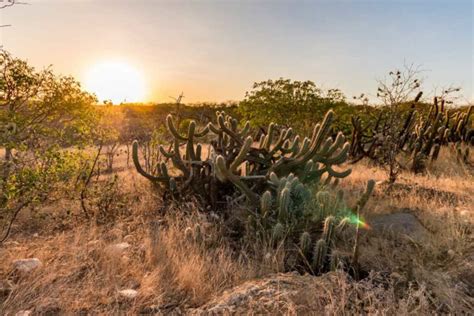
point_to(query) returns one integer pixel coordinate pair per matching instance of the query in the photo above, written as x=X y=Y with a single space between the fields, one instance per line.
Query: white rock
x=118 y=248
x=92 y=243
x=24 y=313
x=128 y=293
x=26 y=265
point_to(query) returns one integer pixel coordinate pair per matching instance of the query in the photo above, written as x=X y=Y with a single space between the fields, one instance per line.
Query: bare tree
x=9 y=3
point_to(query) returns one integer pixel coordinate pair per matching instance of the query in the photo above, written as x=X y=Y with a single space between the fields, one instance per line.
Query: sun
x=116 y=81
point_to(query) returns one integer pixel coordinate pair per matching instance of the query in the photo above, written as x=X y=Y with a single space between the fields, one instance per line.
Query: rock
x=128 y=293
x=118 y=248
x=24 y=313
x=281 y=294
x=92 y=243
x=400 y=223
x=26 y=265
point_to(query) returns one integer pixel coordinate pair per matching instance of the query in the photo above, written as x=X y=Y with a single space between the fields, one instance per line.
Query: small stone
x=118 y=248
x=451 y=253
x=26 y=265
x=24 y=313
x=92 y=243
x=128 y=293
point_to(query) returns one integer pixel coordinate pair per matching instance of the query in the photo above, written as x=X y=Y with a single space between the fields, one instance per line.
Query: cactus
x=328 y=231
x=237 y=166
x=336 y=261
x=275 y=177
x=419 y=136
x=278 y=232
x=462 y=156
x=305 y=243
x=319 y=255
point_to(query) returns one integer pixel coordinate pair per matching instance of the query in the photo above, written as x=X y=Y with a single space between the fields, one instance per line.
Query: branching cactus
x=237 y=166
x=419 y=136
x=287 y=180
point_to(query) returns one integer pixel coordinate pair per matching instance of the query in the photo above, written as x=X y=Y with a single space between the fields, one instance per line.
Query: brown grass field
x=82 y=273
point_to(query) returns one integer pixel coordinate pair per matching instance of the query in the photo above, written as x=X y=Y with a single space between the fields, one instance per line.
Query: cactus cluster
x=286 y=180
x=235 y=159
x=433 y=131
x=290 y=214
x=420 y=136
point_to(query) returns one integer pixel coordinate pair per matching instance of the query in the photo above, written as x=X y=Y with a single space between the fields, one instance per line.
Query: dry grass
x=172 y=272
x=82 y=272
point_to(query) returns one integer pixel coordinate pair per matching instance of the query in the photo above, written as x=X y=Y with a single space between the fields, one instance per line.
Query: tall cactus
x=420 y=136
x=276 y=175
x=237 y=159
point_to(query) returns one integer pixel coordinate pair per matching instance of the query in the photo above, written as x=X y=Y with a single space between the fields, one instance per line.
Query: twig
x=15 y=214
x=86 y=183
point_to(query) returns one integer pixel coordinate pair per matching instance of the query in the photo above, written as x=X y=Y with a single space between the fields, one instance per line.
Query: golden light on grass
x=117 y=81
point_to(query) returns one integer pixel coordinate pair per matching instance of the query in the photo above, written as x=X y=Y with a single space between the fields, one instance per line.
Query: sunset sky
x=215 y=50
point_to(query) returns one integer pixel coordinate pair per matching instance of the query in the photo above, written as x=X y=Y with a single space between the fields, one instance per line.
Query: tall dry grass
x=174 y=273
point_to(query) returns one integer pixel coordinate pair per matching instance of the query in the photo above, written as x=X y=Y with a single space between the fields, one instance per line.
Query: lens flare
x=353 y=219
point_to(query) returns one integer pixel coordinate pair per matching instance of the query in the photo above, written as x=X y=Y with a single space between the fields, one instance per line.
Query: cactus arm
x=337 y=159
x=226 y=130
x=319 y=253
x=214 y=129
x=242 y=154
x=202 y=132
x=365 y=196
x=172 y=129
x=225 y=174
x=190 y=142
x=245 y=130
x=177 y=161
x=337 y=174
x=163 y=151
x=136 y=162
x=269 y=137
x=284 y=136
x=304 y=148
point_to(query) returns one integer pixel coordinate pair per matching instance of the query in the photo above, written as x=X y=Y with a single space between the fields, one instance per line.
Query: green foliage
x=288 y=103
x=33 y=181
x=40 y=115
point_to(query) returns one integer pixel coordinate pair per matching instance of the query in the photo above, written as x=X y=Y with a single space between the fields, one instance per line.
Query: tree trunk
x=7 y=164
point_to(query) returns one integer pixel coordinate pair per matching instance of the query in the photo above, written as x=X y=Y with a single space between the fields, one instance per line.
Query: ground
x=420 y=263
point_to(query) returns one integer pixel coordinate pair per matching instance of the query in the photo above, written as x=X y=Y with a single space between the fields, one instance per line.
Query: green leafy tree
x=41 y=115
x=287 y=102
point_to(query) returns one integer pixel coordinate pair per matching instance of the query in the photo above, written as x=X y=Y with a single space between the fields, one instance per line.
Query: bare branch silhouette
x=9 y=3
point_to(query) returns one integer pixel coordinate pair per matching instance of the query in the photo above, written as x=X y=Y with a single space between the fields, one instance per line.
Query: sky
x=215 y=50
